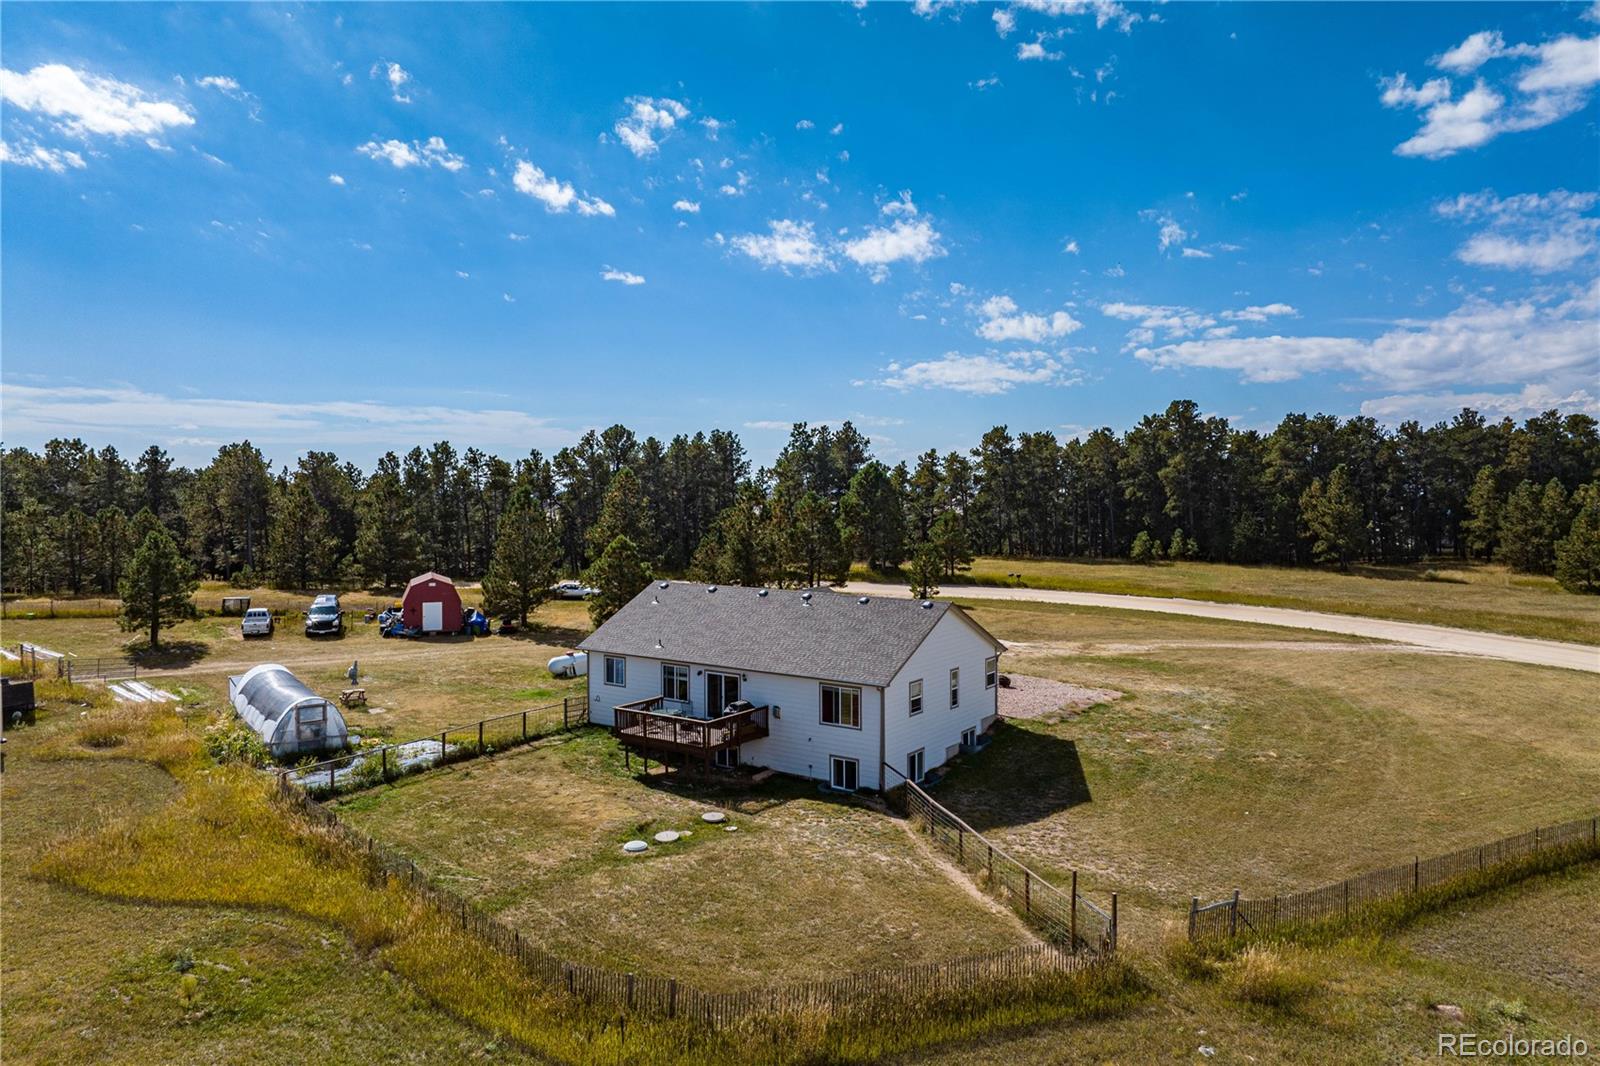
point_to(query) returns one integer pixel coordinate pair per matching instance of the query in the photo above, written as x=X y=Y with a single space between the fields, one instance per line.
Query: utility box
x=16 y=701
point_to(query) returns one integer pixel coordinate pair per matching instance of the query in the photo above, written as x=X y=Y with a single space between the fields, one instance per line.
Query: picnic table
x=352 y=696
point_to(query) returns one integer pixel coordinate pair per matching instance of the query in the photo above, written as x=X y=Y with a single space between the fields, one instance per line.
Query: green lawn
x=1469 y=596
x=808 y=886
x=1267 y=764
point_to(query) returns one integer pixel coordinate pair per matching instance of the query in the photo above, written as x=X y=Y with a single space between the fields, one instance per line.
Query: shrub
x=228 y=741
x=1261 y=975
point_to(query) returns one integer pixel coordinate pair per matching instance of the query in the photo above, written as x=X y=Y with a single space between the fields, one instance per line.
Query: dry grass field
x=806 y=888
x=1467 y=595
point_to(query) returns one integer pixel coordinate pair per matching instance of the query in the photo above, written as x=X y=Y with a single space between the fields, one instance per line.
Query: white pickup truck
x=257 y=622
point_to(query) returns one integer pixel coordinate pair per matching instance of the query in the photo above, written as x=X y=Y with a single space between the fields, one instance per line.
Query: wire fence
x=1236 y=916
x=367 y=767
x=1066 y=918
x=870 y=994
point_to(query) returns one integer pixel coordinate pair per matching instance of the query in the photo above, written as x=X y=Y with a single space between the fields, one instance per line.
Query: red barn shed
x=431 y=604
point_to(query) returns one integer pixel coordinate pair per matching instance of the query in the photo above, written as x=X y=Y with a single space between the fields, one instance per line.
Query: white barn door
x=433 y=616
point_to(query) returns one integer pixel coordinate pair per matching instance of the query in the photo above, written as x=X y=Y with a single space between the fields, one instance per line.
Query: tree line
x=1316 y=489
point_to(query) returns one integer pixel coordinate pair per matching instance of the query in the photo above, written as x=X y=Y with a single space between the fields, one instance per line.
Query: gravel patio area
x=1035 y=697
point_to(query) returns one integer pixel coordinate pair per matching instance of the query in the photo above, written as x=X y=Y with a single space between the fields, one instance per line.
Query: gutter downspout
x=883 y=718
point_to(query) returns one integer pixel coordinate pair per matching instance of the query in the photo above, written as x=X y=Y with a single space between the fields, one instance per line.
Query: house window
x=842 y=773
x=991 y=666
x=675 y=682
x=616 y=670
x=969 y=739
x=841 y=706
x=914 y=765
x=916 y=696
x=955 y=686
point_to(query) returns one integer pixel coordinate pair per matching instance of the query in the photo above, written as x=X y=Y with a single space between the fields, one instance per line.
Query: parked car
x=257 y=622
x=325 y=617
x=574 y=590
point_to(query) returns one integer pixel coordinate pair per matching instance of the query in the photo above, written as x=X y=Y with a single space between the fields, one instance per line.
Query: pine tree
x=1482 y=529
x=386 y=535
x=527 y=554
x=949 y=539
x=617 y=575
x=1144 y=548
x=1333 y=515
x=113 y=540
x=157 y=589
x=739 y=548
x=623 y=513
x=924 y=570
x=814 y=548
x=302 y=545
x=1555 y=518
x=872 y=518
x=1521 y=528
x=1578 y=553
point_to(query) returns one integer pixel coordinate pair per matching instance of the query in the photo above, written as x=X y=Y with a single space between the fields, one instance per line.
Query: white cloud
x=220 y=82
x=430 y=153
x=463 y=275
x=981 y=375
x=129 y=415
x=623 y=276
x=1169 y=233
x=1532 y=232
x=688 y=207
x=38 y=157
x=983 y=84
x=1556 y=83
x=1002 y=321
x=1004 y=21
x=1546 y=341
x=648 y=117
x=1036 y=50
x=1260 y=312
x=838 y=128
x=397 y=77
x=1195 y=253
x=1071 y=247
x=1173 y=321
x=516 y=237
x=805 y=124
x=85 y=105
x=907 y=239
x=1530 y=400
x=335 y=179
x=557 y=196
x=508 y=298
x=788 y=245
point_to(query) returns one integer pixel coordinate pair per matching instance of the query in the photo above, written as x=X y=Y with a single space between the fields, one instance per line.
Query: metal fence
x=1065 y=918
x=97 y=668
x=367 y=767
x=870 y=994
x=1236 y=916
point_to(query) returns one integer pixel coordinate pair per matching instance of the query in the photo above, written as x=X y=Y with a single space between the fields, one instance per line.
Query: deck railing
x=646 y=722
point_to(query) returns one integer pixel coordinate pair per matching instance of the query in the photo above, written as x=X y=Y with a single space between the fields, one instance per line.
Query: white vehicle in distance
x=257 y=622
x=574 y=590
x=573 y=664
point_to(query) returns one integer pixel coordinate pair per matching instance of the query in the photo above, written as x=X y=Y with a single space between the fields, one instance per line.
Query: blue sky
x=363 y=227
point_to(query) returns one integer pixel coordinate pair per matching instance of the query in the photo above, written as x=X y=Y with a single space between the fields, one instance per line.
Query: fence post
x=441 y=748
x=330 y=775
x=630 y=991
x=1194 y=914
x=1027 y=890
x=672 y=997
x=524 y=725
x=480 y=736
x=1233 y=915
x=1072 y=920
x=385 y=752
x=1347 y=899
x=1416 y=873
x=1535 y=838
x=566 y=721
x=1480 y=858
x=1113 y=921
x=961 y=845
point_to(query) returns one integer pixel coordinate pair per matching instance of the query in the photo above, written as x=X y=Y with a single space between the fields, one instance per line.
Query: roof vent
x=712 y=588
x=927 y=605
x=806 y=596
x=655 y=601
x=664 y=584
x=862 y=600
x=762 y=593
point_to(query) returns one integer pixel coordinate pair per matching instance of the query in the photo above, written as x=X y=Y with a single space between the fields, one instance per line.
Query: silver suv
x=325 y=618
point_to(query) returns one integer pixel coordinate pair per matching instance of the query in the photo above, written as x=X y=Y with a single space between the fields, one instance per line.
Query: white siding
x=937 y=730
x=798 y=742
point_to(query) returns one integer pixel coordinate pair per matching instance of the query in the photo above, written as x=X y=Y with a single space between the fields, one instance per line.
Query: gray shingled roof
x=824 y=635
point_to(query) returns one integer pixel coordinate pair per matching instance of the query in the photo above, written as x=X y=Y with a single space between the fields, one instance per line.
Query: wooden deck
x=645 y=726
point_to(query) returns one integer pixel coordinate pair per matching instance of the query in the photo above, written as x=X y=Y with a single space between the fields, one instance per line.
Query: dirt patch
x=1035 y=697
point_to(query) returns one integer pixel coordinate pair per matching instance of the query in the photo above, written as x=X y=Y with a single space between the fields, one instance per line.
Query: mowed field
x=1244 y=757
x=1466 y=595
x=807 y=886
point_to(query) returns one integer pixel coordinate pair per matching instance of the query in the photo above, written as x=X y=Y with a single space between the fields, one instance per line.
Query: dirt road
x=1436 y=638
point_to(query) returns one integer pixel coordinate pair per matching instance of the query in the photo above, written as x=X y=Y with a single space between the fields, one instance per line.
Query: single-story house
x=431 y=604
x=289 y=718
x=810 y=682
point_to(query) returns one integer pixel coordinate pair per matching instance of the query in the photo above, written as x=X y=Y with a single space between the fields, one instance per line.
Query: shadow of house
x=1021 y=776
